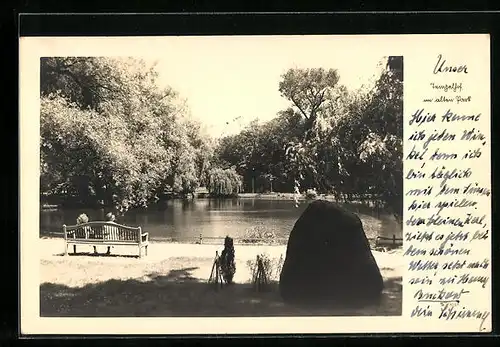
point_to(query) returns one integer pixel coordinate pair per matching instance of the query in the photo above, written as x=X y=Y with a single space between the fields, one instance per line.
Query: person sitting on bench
x=110 y=218
x=82 y=219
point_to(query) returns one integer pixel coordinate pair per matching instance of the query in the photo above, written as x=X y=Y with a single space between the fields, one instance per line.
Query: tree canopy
x=111 y=135
x=341 y=142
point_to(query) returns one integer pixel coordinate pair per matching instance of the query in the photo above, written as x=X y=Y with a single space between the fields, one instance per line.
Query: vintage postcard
x=255 y=184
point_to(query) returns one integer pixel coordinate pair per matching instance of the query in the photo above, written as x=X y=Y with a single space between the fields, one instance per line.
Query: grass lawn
x=168 y=283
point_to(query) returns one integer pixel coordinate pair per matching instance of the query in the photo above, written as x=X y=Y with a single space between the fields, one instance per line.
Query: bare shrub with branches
x=272 y=266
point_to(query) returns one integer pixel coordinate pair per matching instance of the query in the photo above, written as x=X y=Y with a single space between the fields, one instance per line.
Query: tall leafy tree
x=110 y=134
x=382 y=149
x=348 y=143
x=308 y=89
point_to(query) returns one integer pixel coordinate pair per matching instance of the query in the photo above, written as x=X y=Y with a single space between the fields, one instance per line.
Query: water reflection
x=209 y=217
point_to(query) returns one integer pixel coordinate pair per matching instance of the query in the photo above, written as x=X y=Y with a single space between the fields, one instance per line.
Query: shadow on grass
x=178 y=294
x=98 y=254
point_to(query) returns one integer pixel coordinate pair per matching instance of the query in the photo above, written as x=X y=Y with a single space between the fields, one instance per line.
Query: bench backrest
x=102 y=231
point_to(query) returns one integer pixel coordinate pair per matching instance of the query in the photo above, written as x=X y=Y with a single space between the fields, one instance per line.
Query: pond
x=187 y=219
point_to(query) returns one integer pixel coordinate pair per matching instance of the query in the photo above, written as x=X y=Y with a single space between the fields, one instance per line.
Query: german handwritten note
x=447 y=194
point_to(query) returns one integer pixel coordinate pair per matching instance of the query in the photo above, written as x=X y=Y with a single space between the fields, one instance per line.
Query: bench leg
x=74 y=249
x=146 y=249
x=140 y=252
x=66 y=249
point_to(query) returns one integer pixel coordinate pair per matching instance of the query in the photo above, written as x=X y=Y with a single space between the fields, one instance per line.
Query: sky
x=230 y=81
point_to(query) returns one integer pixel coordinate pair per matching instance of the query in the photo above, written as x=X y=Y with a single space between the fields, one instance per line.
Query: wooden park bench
x=105 y=234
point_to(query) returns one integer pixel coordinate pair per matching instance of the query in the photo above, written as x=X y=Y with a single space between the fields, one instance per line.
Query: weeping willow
x=224 y=182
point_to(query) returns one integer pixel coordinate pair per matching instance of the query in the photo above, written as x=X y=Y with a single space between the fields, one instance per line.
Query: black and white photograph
x=222 y=177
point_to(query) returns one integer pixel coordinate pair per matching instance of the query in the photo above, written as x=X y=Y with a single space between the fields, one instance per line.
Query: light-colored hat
x=110 y=216
x=83 y=218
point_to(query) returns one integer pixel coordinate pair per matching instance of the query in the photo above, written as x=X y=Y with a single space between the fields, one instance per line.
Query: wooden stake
x=260 y=280
x=216 y=276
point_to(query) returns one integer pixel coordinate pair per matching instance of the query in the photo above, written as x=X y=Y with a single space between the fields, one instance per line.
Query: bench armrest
x=145 y=236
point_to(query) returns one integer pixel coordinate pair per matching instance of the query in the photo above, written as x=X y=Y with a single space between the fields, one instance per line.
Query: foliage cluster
x=111 y=135
x=336 y=141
